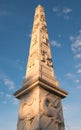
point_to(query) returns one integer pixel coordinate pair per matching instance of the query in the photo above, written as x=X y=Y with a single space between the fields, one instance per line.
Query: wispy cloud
x=76 y=46
x=72 y=77
x=29 y=35
x=79 y=71
x=76 y=49
x=79 y=87
x=77 y=80
x=8 y=96
x=9 y=83
x=67 y=10
x=4 y=13
x=6 y=80
x=56 y=9
x=71 y=38
x=65 y=108
x=78 y=56
x=55 y=43
x=62 y=11
x=1 y=94
x=76 y=43
x=78 y=65
x=15 y=101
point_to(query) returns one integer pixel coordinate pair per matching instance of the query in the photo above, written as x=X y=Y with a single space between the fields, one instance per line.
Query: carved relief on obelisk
x=40 y=110
x=40 y=96
x=40 y=58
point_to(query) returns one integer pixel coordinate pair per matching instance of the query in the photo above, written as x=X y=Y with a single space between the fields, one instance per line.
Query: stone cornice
x=29 y=85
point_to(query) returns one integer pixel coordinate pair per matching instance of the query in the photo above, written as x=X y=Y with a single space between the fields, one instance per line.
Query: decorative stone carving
x=36 y=17
x=42 y=18
x=44 y=28
x=41 y=9
x=36 y=25
x=48 y=107
x=50 y=112
x=33 y=58
x=45 y=58
x=25 y=108
x=27 y=113
x=34 y=40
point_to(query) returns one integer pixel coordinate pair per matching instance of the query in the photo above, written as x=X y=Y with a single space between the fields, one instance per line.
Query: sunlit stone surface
x=40 y=96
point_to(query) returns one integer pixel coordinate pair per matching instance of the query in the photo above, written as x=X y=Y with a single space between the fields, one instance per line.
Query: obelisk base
x=40 y=110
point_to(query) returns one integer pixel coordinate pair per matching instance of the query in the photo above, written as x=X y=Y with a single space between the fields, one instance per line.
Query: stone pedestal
x=40 y=106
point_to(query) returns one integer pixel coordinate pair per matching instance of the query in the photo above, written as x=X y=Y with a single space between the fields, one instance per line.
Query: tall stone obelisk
x=40 y=96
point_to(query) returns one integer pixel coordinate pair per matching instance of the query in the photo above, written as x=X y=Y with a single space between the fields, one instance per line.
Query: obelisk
x=40 y=95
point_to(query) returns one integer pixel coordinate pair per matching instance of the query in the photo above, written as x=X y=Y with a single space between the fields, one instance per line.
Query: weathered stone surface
x=40 y=110
x=40 y=59
x=40 y=95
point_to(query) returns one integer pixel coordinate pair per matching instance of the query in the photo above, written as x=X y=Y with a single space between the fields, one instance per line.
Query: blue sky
x=64 y=29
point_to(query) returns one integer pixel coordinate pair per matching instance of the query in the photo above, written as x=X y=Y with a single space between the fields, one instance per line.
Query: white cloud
x=5 y=78
x=65 y=108
x=15 y=101
x=78 y=56
x=79 y=87
x=8 y=96
x=30 y=32
x=78 y=65
x=28 y=35
x=72 y=77
x=9 y=83
x=55 y=43
x=76 y=44
x=69 y=75
x=65 y=12
x=76 y=49
x=71 y=38
x=79 y=71
x=56 y=9
x=77 y=80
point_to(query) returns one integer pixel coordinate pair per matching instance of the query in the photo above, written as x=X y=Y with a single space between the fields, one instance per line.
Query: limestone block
x=40 y=110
